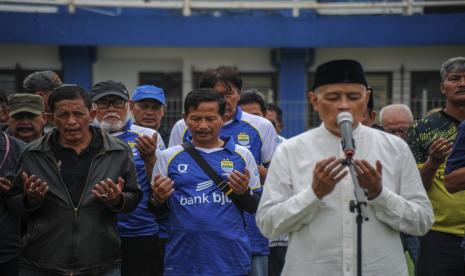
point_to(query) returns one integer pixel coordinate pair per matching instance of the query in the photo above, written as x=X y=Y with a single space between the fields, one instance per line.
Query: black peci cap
x=339 y=71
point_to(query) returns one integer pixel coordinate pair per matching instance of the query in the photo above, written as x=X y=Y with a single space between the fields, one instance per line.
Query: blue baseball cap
x=149 y=92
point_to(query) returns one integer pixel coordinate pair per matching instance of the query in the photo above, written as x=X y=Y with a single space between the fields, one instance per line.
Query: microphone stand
x=359 y=205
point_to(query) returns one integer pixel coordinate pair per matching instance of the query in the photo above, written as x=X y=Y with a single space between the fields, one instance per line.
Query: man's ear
x=441 y=86
x=131 y=105
x=313 y=99
x=93 y=113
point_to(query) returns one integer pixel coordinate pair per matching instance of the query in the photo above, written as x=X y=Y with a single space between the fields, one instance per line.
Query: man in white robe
x=308 y=189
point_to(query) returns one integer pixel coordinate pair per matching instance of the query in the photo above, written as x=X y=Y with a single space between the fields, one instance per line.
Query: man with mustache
x=254 y=132
x=431 y=141
x=148 y=106
x=138 y=230
x=71 y=184
x=27 y=117
x=205 y=213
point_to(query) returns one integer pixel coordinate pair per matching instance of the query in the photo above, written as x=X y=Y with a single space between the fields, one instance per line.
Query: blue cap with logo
x=152 y=92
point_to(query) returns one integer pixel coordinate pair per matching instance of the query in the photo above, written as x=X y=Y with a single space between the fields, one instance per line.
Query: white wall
x=125 y=63
x=29 y=57
x=391 y=60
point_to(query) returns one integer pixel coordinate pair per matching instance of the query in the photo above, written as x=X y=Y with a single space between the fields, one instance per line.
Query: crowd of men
x=92 y=182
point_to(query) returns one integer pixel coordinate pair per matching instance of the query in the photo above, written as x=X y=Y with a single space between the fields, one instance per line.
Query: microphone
x=344 y=120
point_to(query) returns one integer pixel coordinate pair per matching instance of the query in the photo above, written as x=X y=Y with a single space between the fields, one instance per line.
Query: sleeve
x=131 y=193
x=15 y=197
x=177 y=133
x=281 y=210
x=160 y=167
x=408 y=211
x=456 y=159
x=270 y=142
x=159 y=209
x=254 y=181
x=415 y=143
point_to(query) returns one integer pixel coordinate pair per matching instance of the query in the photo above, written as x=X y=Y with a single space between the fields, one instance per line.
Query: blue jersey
x=256 y=134
x=141 y=222
x=206 y=230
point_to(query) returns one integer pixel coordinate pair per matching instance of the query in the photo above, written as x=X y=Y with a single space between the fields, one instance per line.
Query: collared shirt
x=322 y=233
x=449 y=209
x=140 y=222
x=74 y=167
x=283 y=239
x=206 y=230
x=258 y=135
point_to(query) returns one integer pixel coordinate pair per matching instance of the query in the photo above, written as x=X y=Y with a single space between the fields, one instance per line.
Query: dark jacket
x=10 y=243
x=68 y=239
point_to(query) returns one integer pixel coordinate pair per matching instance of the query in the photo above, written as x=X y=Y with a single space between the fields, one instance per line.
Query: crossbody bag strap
x=7 y=149
x=218 y=180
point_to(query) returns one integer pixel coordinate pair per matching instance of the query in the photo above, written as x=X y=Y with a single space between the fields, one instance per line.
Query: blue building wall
x=78 y=35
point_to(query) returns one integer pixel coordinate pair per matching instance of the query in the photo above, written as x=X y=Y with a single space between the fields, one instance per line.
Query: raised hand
x=239 y=182
x=368 y=177
x=35 y=188
x=326 y=174
x=109 y=191
x=162 y=188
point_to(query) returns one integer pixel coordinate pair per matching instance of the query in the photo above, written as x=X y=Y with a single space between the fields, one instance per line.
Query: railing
x=406 y=7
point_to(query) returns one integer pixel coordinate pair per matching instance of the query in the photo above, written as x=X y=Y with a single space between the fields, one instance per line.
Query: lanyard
x=7 y=149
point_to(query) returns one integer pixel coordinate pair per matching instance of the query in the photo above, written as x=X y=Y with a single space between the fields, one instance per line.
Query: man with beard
x=27 y=117
x=148 y=106
x=138 y=230
x=431 y=140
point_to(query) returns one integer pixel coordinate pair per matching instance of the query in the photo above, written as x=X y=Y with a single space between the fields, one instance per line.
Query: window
x=425 y=93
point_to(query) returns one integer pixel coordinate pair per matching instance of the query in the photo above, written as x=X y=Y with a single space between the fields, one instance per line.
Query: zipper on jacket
x=75 y=207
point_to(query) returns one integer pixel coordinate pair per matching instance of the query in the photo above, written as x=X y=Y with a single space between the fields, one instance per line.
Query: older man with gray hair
x=396 y=119
x=430 y=140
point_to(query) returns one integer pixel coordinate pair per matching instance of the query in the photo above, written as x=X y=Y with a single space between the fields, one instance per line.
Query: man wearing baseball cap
x=148 y=107
x=27 y=117
x=138 y=230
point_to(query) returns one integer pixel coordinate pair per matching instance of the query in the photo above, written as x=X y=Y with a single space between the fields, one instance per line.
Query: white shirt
x=322 y=233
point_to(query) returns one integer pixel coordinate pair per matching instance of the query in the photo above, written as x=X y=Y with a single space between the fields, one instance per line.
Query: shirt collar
x=238 y=114
x=229 y=143
x=95 y=143
x=127 y=126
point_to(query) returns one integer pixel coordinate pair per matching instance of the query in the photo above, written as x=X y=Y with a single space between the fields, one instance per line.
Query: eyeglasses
x=401 y=130
x=119 y=104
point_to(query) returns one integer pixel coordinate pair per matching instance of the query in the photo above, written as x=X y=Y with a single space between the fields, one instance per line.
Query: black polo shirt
x=74 y=167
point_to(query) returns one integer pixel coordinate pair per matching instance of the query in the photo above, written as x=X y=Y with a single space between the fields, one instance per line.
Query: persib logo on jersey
x=243 y=139
x=132 y=145
x=227 y=166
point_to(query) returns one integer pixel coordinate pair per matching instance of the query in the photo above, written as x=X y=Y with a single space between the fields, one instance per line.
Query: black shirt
x=74 y=167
